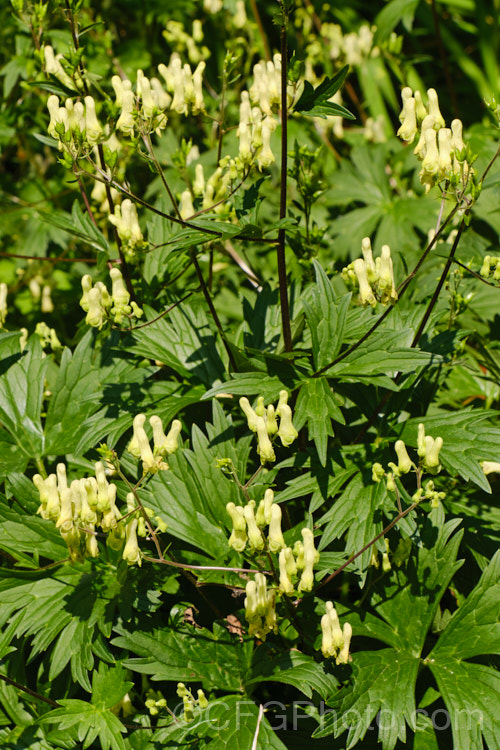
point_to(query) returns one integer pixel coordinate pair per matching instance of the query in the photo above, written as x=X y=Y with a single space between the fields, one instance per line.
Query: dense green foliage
x=331 y=581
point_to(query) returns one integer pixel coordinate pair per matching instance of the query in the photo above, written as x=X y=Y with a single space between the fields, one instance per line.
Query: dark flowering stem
x=285 y=310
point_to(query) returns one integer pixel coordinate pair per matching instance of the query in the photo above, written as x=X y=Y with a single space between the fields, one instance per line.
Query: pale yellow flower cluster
x=440 y=149
x=79 y=509
x=373 y=278
x=153 y=459
x=101 y=306
x=263 y=421
x=260 y=608
x=336 y=642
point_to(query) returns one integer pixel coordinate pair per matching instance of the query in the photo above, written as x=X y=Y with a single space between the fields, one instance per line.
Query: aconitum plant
x=249 y=383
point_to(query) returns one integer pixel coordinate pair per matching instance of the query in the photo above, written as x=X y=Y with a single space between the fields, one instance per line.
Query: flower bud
x=378 y=472
x=92 y=127
x=420 y=109
x=488 y=467
x=119 y=293
x=238 y=538
x=255 y=538
x=433 y=108
x=366 y=296
x=430 y=162
x=431 y=460
x=133 y=446
x=285 y=585
x=202 y=699
x=366 y=249
x=126 y=121
x=275 y=535
x=264 y=445
x=263 y=515
x=171 y=443
x=343 y=656
x=287 y=432
x=405 y=464
x=131 y=552
x=408 y=128
x=250 y=414
x=271 y=423
x=311 y=558
x=421 y=447
x=96 y=315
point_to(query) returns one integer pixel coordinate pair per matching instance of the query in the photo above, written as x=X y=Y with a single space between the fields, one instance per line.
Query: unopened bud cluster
x=441 y=150
x=373 y=278
x=336 y=641
x=153 y=459
x=189 y=701
x=490 y=267
x=428 y=450
x=101 y=306
x=264 y=422
x=86 y=505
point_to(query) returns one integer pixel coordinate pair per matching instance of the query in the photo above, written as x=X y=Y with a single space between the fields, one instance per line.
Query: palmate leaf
x=314 y=102
x=87 y=722
x=198 y=353
x=23 y=534
x=21 y=394
x=354 y=511
x=467 y=441
x=325 y=315
x=384 y=680
x=217 y=659
x=294 y=668
x=316 y=407
x=470 y=690
x=229 y=722
x=85 y=377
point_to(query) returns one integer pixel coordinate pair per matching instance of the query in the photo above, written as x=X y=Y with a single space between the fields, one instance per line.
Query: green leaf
x=80 y=390
x=392 y=13
x=89 y=722
x=474 y=628
x=188 y=333
x=466 y=441
x=294 y=668
x=25 y=533
x=109 y=685
x=383 y=679
x=78 y=225
x=217 y=659
x=354 y=511
x=314 y=102
x=470 y=692
x=405 y=607
x=229 y=722
x=325 y=317
x=249 y=384
x=316 y=407
x=21 y=395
